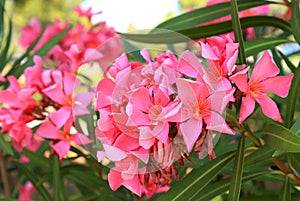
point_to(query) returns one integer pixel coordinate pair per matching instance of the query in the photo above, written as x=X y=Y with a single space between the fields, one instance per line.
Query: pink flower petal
x=191 y=130
x=80 y=138
x=115 y=179
x=146 y=55
x=113 y=153
x=100 y=156
x=278 y=85
x=240 y=79
x=264 y=68
x=247 y=107
x=55 y=93
x=216 y=122
x=189 y=64
x=104 y=90
x=134 y=185
x=126 y=143
x=61 y=148
x=269 y=107
x=48 y=130
x=61 y=116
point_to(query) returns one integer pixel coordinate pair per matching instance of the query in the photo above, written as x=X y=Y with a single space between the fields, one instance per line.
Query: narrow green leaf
x=215 y=189
x=35 y=181
x=28 y=51
x=58 y=185
x=281 y=138
x=296 y=127
x=288 y=62
x=293 y=97
x=236 y=177
x=4 y=51
x=36 y=158
x=294 y=161
x=253 y=47
x=238 y=33
x=206 y=31
x=197 y=179
x=206 y=14
x=285 y=194
x=261 y=155
x=5 y=146
x=17 y=72
x=295 y=23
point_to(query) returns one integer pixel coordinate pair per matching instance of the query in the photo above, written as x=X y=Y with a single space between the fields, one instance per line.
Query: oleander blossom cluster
x=155 y=113
x=44 y=105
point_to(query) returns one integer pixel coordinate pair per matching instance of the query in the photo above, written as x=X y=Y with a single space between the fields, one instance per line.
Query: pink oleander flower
x=62 y=138
x=25 y=191
x=220 y=53
x=86 y=13
x=263 y=80
x=151 y=111
x=201 y=110
x=82 y=43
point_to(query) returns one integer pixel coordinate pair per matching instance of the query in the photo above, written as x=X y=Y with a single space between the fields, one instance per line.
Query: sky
x=143 y=14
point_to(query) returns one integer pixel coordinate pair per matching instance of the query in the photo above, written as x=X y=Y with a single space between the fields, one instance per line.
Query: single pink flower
x=62 y=138
x=263 y=80
x=198 y=107
x=151 y=111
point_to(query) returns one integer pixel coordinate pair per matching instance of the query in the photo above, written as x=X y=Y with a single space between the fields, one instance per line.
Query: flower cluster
x=154 y=114
x=44 y=105
x=82 y=44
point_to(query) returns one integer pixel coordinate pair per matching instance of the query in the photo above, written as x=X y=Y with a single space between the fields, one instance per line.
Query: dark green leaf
x=58 y=185
x=206 y=14
x=41 y=52
x=197 y=179
x=35 y=181
x=4 y=51
x=294 y=161
x=236 y=177
x=281 y=138
x=238 y=33
x=36 y=158
x=261 y=155
x=5 y=146
x=215 y=189
x=296 y=127
x=253 y=47
x=295 y=22
x=293 y=97
x=285 y=194
x=288 y=62
x=205 y=31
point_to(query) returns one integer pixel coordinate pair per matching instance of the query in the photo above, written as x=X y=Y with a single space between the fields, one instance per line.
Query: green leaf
x=293 y=97
x=197 y=179
x=294 y=161
x=4 y=51
x=36 y=158
x=206 y=14
x=5 y=146
x=295 y=20
x=17 y=72
x=288 y=62
x=261 y=155
x=236 y=177
x=27 y=52
x=296 y=127
x=215 y=189
x=58 y=185
x=206 y=31
x=35 y=181
x=253 y=47
x=285 y=194
x=238 y=33
x=281 y=138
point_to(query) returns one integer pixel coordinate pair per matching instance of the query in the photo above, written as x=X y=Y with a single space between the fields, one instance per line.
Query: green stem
x=238 y=34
